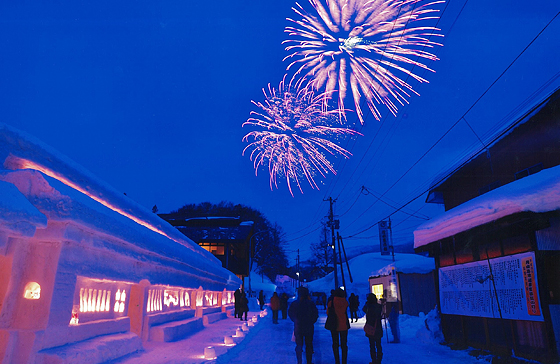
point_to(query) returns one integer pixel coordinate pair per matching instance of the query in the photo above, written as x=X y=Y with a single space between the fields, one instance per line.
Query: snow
x=372 y=265
x=53 y=187
x=537 y=193
x=270 y=343
x=17 y=214
x=76 y=234
x=260 y=282
x=19 y=150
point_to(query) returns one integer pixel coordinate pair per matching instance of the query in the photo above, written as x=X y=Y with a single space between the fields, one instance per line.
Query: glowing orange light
x=32 y=291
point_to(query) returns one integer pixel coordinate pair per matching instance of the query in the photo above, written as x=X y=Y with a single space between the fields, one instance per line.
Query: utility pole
x=333 y=239
x=297 y=269
x=391 y=237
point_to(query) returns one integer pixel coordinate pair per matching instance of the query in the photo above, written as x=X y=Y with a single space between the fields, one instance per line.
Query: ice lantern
x=32 y=291
x=209 y=353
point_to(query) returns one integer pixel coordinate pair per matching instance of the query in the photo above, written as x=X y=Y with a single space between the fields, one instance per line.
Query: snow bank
x=430 y=332
x=259 y=283
x=536 y=193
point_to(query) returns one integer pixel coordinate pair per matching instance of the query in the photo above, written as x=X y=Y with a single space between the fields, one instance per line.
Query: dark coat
x=244 y=304
x=237 y=299
x=373 y=312
x=354 y=302
x=275 y=302
x=283 y=301
x=304 y=314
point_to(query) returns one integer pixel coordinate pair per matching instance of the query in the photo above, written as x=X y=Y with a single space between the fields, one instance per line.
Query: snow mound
x=431 y=332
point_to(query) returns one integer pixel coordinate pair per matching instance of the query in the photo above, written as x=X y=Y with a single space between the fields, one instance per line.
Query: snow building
x=497 y=246
x=87 y=274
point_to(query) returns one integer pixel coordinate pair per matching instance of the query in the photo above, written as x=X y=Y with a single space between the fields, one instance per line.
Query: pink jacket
x=340 y=305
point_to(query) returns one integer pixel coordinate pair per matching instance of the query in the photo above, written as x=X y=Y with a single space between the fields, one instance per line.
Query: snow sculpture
x=76 y=256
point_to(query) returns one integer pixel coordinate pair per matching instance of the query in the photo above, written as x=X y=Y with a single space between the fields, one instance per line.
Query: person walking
x=237 y=302
x=394 y=323
x=304 y=314
x=354 y=305
x=337 y=308
x=244 y=306
x=373 y=312
x=261 y=299
x=275 y=307
x=284 y=305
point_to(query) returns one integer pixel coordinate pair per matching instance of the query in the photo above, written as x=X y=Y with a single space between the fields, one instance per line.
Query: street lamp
x=251 y=255
x=297 y=274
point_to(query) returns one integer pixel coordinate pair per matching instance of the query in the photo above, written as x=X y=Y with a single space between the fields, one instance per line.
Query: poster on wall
x=473 y=289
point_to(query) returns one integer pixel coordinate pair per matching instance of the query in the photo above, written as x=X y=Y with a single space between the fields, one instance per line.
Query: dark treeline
x=269 y=256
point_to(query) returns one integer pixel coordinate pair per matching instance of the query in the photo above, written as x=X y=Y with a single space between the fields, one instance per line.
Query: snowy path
x=273 y=345
x=268 y=343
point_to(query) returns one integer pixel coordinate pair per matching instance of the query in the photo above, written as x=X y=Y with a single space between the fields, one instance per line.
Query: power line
x=462 y=117
x=441 y=179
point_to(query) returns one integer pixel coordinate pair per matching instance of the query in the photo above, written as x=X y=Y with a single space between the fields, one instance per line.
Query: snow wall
x=79 y=260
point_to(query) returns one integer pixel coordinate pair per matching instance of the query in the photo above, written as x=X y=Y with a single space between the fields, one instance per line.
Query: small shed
x=407 y=284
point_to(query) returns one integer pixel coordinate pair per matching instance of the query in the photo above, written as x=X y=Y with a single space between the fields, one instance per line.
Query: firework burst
x=297 y=134
x=364 y=45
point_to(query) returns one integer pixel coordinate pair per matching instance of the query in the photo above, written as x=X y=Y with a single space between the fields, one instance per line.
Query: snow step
x=165 y=317
x=213 y=317
x=96 y=350
x=175 y=330
x=201 y=311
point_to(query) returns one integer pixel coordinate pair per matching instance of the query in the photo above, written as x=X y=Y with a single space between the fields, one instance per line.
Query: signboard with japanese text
x=384 y=237
x=468 y=289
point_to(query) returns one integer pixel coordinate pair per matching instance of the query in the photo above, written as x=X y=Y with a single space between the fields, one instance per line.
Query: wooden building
x=228 y=238
x=497 y=246
x=408 y=284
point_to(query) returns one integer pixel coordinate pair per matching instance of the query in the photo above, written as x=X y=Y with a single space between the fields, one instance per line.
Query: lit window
x=120 y=298
x=32 y=291
x=377 y=290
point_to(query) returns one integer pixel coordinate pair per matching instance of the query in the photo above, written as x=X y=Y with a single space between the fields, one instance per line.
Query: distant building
x=410 y=290
x=497 y=246
x=228 y=238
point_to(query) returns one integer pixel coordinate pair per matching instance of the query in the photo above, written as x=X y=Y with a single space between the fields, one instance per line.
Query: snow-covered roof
x=19 y=150
x=538 y=193
x=407 y=263
x=17 y=214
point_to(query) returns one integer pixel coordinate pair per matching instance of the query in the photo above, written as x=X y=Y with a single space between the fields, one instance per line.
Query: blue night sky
x=150 y=97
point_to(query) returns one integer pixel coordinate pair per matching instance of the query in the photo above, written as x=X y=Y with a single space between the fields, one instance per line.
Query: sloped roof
x=538 y=193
